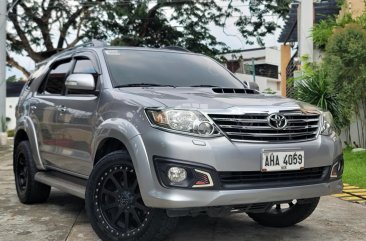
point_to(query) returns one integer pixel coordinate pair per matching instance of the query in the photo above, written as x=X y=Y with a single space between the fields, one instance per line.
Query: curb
x=352 y=194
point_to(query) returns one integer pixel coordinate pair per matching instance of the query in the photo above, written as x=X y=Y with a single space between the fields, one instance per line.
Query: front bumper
x=170 y=198
x=224 y=156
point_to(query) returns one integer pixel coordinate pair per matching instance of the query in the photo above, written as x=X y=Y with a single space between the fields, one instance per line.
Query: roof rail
x=176 y=48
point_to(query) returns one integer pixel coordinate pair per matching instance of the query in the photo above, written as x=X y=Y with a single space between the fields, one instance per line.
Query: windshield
x=133 y=68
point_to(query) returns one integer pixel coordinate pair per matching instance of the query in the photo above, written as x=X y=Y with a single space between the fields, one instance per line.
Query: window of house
x=55 y=82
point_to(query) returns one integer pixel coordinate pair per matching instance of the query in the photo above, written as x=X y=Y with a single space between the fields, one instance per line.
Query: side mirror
x=80 y=82
x=252 y=85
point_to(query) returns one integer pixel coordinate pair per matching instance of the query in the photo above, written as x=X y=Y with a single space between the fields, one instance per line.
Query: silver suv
x=149 y=135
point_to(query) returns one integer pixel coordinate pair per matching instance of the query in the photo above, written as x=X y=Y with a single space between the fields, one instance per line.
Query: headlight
x=185 y=121
x=328 y=124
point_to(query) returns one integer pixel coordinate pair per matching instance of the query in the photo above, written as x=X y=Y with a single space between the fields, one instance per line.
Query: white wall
x=263 y=82
x=305 y=24
x=355 y=132
x=273 y=56
x=11 y=103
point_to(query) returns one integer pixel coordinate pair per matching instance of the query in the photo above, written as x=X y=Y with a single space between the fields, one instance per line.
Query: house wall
x=270 y=55
x=11 y=103
x=355 y=7
x=356 y=133
x=263 y=82
x=305 y=23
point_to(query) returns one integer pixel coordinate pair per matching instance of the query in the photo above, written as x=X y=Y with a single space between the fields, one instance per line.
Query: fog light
x=205 y=128
x=177 y=174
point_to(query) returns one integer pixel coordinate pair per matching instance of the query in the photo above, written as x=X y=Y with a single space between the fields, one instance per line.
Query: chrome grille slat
x=270 y=134
x=259 y=128
x=254 y=127
x=240 y=120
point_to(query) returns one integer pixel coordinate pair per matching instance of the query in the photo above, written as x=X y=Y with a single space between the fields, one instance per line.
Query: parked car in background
x=150 y=135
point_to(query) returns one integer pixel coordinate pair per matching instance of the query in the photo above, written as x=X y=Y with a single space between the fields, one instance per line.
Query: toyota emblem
x=277 y=121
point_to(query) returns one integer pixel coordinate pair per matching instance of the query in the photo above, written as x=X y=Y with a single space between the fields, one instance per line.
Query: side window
x=55 y=81
x=84 y=66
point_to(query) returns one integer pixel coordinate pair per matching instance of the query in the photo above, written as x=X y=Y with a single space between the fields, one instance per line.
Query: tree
x=11 y=79
x=41 y=28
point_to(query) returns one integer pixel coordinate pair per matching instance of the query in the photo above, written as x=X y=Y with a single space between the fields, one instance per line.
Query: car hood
x=206 y=98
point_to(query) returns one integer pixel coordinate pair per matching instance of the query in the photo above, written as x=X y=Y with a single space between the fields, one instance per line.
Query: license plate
x=282 y=161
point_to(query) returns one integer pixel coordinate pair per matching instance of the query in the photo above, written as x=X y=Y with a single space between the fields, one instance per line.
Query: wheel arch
x=26 y=131
x=113 y=135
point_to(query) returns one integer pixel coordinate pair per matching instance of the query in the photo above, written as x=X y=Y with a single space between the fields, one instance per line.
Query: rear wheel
x=28 y=189
x=115 y=206
x=286 y=214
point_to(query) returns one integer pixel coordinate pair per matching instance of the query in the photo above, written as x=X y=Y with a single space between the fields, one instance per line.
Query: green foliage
x=269 y=91
x=346 y=19
x=314 y=87
x=355 y=168
x=322 y=32
x=149 y=23
x=340 y=3
x=11 y=79
x=346 y=62
x=344 y=67
x=3 y=126
x=11 y=133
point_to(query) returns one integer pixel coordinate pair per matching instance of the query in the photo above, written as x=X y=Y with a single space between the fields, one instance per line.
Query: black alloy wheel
x=118 y=202
x=21 y=173
x=115 y=207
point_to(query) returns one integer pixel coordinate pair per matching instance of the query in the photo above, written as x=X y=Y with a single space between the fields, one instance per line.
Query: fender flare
x=116 y=128
x=25 y=123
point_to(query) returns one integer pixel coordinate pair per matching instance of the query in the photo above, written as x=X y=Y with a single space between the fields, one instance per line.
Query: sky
x=234 y=42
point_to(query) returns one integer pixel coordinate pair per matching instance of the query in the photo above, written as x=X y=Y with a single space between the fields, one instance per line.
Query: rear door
x=77 y=117
x=44 y=110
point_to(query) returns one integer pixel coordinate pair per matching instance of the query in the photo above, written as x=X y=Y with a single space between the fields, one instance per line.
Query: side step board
x=75 y=188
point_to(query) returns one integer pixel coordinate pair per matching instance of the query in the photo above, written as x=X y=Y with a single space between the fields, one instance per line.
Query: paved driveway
x=63 y=218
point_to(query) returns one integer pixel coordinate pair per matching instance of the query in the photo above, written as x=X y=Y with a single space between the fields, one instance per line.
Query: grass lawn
x=355 y=168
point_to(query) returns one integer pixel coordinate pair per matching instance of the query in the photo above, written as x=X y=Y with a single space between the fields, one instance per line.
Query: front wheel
x=286 y=214
x=115 y=206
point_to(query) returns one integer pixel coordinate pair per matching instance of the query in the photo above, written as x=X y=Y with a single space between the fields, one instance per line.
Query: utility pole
x=253 y=69
x=3 y=16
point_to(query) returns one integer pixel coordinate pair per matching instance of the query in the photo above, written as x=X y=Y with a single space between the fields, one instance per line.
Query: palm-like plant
x=313 y=87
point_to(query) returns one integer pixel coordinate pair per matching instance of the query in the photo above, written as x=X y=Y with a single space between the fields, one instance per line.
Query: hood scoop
x=234 y=91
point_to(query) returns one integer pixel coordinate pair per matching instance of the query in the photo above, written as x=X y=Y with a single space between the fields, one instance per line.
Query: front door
x=44 y=110
x=76 y=123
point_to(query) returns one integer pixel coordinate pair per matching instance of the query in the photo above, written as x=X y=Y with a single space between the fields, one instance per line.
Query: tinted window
x=56 y=78
x=167 y=68
x=84 y=66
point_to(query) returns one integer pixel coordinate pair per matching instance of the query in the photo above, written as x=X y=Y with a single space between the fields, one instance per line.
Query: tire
x=28 y=189
x=113 y=196
x=280 y=217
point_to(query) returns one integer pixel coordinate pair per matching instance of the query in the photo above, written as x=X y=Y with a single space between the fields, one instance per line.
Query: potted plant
x=3 y=133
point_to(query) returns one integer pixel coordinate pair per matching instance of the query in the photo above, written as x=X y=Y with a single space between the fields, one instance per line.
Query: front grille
x=239 y=180
x=255 y=127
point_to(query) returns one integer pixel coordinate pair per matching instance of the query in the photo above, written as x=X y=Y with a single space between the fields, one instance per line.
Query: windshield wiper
x=143 y=85
x=204 y=86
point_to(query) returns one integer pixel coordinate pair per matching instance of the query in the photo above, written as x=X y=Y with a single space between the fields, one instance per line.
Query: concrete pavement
x=63 y=218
